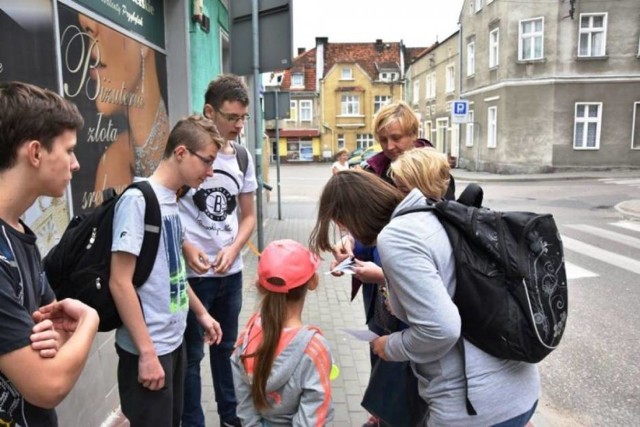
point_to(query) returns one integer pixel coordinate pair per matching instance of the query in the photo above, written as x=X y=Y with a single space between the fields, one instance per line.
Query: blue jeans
x=222 y=297
x=519 y=421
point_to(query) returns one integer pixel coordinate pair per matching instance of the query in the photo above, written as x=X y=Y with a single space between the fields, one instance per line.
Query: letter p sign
x=460 y=107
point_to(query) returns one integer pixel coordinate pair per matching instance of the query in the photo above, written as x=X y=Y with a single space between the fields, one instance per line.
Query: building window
x=494 y=50
x=415 y=96
x=492 y=127
x=592 y=34
x=587 y=126
x=388 y=77
x=471 y=58
x=347 y=74
x=531 y=41
x=340 y=141
x=306 y=113
x=350 y=105
x=442 y=126
x=635 y=127
x=431 y=86
x=364 y=140
x=293 y=111
x=477 y=5
x=299 y=150
x=469 y=130
x=380 y=101
x=427 y=130
x=450 y=82
x=297 y=80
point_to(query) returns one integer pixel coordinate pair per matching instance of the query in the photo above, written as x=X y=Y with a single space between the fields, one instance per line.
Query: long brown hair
x=273 y=311
x=358 y=201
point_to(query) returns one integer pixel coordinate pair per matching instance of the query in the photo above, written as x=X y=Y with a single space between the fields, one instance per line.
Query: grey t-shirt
x=164 y=297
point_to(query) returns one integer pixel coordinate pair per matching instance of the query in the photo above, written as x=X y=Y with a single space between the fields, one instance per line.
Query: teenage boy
x=149 y=344
x=37 y=139
x=216 y=235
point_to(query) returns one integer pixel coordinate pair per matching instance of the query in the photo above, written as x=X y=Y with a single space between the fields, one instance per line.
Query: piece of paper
x=362 y=334
x=346 y=266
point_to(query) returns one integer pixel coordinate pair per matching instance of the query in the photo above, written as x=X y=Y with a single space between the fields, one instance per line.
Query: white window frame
x=635 y=124
x=591 y=33
x=341 y=141
x=428 y=129
x=430 y=87
x=306 y=108
x=584 y=121
x=364 y=140
x=346 y=73
x=494 y=48
x=492 y=127
x=477 y=6
x=471 y=58
x=415 y=95
x=297 y=84
x=293 y=111
x=350 y=105
x=380 y=101
x=534 y=36
x=468 y=142
x=441 y=137
x=450 y=79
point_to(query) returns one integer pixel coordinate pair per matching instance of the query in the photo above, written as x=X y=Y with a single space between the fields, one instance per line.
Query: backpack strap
x=152 y=226
x=242 y=156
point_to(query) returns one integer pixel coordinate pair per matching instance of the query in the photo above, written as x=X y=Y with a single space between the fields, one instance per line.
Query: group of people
x=276 y=371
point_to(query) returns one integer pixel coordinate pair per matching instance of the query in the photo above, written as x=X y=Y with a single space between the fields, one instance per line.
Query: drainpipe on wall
x=333 y=140
x=460 y=47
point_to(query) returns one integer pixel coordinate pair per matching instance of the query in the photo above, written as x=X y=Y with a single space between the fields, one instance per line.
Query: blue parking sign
x=459 y=111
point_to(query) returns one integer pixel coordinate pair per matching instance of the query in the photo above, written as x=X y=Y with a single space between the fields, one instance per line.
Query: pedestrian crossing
x=591 y=251
x=633 y=182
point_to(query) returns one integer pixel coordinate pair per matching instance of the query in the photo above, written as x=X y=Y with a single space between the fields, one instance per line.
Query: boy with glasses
x=151 y=364
x=215 y=236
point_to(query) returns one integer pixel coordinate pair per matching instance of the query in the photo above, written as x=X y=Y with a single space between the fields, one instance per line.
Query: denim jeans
x=519 y=421
x=222 y=297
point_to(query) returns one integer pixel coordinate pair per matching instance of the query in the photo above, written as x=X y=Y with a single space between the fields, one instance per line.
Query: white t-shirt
x=164 y=297
x=210 y=213
x=339 y=166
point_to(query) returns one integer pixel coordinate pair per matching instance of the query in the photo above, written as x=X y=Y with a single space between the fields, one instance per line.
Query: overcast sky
x=418 y=23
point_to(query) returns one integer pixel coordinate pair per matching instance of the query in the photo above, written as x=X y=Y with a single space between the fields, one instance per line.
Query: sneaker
x=372 y=422
x=232 y=423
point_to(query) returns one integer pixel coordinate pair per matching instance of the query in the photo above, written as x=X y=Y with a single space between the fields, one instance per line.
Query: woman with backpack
x=419 y=267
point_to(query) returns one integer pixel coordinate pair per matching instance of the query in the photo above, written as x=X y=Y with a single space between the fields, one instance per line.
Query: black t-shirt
x=23 y=288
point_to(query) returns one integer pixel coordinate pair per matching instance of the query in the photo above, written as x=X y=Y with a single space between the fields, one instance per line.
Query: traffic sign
x=460 y=111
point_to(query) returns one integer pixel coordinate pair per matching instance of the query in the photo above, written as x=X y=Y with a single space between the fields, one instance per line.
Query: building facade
x=551 y=85
x=336 y=89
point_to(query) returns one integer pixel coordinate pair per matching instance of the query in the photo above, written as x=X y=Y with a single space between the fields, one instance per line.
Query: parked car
x=366 y=154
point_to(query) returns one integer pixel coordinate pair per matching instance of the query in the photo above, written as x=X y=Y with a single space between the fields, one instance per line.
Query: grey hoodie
x=298 y=388
x=418 y=263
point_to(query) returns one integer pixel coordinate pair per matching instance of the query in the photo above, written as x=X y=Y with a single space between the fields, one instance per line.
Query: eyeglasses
x=205 y=160
x=233 y=118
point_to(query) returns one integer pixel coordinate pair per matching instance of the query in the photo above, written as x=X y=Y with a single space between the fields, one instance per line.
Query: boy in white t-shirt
x=149 y=344
x=216 y=234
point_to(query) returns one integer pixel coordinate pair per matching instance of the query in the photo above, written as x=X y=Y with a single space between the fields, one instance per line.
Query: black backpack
x=79 y=265
x=511 y=284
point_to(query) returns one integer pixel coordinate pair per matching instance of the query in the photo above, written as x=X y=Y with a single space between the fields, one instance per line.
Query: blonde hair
x=397 y=112
x=423 y=168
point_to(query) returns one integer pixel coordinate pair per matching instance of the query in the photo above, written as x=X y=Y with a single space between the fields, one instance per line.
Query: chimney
x=321 y=43
x=379 y=45
x=301 y=50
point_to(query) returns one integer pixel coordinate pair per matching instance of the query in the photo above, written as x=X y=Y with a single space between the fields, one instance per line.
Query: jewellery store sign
x=143 y=17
